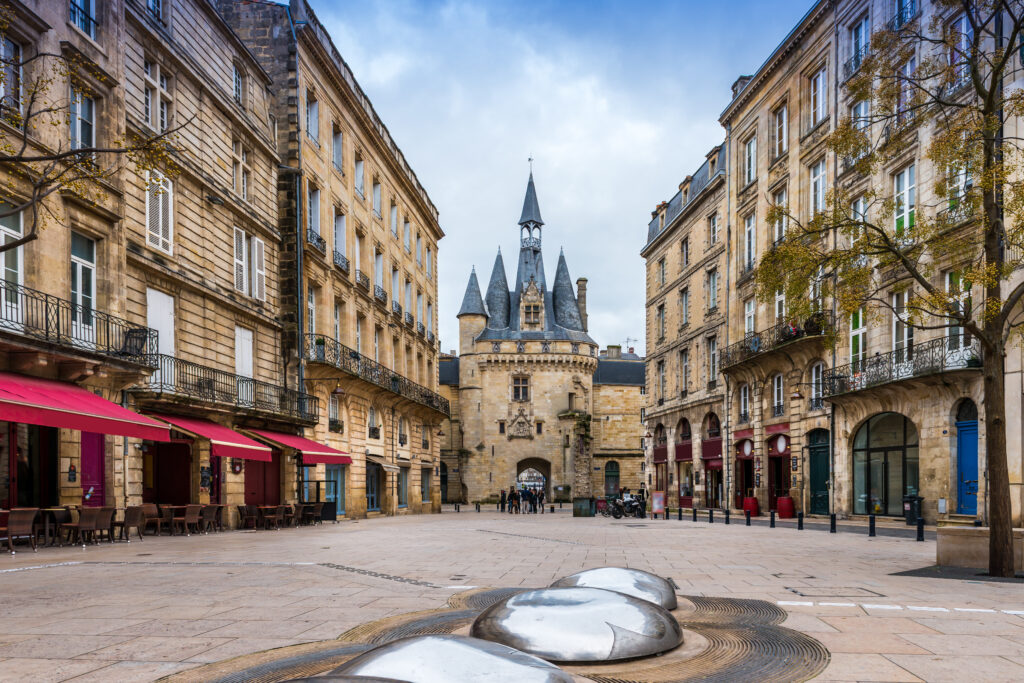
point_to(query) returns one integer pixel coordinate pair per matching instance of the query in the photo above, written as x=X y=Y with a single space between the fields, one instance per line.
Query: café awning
x=46 y=402
x=313 y=453
x=388 y=467
x=224 y=441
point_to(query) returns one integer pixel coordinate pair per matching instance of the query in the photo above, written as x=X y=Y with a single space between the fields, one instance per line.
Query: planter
x=785 y=506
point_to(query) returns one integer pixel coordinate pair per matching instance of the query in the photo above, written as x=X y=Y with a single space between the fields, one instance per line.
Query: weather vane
x=530 y=159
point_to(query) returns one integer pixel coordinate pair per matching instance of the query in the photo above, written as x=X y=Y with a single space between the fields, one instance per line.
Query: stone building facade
x=530 y=394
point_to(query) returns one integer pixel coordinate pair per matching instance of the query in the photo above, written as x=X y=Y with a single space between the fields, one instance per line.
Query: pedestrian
x=540 y=500
x=501 y=501
x=533 y=502
x=511 y=501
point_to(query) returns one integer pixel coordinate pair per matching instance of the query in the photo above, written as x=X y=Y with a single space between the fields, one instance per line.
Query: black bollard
x=800 y=521
x=680 y=510
x=771 y=522
x=694 y=514
x=552 y=508
x=726 y=515
x=920 y=528
x=478 y=507
x=457 y=508
x=832 y=523
x=711 y=516
x=871 y=525
x=746 y=513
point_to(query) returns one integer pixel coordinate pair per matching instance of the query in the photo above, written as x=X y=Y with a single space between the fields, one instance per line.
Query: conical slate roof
x=497 y=296
x=567 y=311
x=531 y=210
x=472 y=302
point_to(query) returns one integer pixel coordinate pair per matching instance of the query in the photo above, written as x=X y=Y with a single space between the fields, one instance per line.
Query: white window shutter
x=240 y=262
x=152 y=210
x=259 y=269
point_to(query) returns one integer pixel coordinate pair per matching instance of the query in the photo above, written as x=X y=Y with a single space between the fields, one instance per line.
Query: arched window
x=712 y=427
x=778 y=399
x=885 y=464
x=817 y=377
x=683 y=431
x=659 y=435
x=611 y=478
x=967 y=411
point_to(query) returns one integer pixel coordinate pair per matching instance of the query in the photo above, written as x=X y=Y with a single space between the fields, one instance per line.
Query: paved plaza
x=146 y=610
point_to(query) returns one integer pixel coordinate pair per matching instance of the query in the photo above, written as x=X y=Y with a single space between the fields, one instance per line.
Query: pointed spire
x=497 y=296
x=472 y=302
x=567 y=311
x=531 y=210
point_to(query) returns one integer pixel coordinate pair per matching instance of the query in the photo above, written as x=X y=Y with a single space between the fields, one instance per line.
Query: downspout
x=299 y=322
x=727 y=441
x=835 y=283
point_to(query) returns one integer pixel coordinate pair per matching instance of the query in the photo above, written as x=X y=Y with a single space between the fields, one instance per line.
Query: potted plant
x=320 y=343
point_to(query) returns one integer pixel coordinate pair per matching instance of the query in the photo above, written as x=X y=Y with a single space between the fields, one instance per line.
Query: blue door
x=967 y=467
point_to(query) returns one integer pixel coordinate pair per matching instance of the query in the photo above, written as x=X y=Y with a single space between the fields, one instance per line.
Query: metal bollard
x=771 y=522
x=871 y=525
x=832 y=523
x=746 y=513
x=726 y=515
x=552 y=508
x=680 y=510
x=711 y=516
x=800 y=521
x=694 y=514
x=920 y=528
x=457 y=508
x=478 y=507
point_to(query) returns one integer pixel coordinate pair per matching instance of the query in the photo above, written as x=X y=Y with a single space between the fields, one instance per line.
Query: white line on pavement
x=38 y=566
x=866 y=606
x=796 y=602
x=971 y=609
x=919 y=608
x=837 y=604
x=916 y=608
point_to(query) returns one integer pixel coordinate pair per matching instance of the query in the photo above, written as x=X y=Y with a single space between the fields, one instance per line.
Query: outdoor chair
x=318 y=510
x=151 y=517
x=247 y=516
x=190 y=521
x=208 y=519
x=272 y=517
x=20 y=525
x=58 y=517
x=289 y=517
x=134 y=518
x=105 y=524
x=135 y=341
x=85 y=528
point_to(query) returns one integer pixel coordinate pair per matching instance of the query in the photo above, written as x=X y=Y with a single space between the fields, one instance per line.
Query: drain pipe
x=299 y=310
x=727 y=427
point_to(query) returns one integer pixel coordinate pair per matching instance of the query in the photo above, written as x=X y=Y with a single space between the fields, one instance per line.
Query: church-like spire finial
x=530 y=220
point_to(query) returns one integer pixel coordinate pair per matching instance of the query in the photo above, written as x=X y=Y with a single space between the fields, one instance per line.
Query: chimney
x=739 y=84
x=452 y=353
x=631 y=350
x=581 y=299
x=614 y=352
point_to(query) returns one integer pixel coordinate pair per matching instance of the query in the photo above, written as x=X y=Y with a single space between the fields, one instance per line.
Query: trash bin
x=583 y=507
x=912 y=509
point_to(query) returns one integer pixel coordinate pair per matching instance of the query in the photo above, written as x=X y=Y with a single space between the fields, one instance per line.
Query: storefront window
x=425 y=484
x=403 y=487
x=686 y=478
x=885 y=465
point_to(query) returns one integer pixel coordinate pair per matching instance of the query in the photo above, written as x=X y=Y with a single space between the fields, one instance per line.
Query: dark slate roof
x=701 y=179
x=472 y=302
x=448 y=370
x=567 y=311
x=629 y=372
x=625 y=356
x=531 y=209
x=531 y=265
x=497 y=295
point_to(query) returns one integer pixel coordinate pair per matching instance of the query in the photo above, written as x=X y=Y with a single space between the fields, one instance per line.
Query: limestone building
x=532 y=392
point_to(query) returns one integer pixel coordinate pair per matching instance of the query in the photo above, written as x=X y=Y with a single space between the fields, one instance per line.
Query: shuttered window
x=241 y=262
x=259 y=269
x=159 y=211
x=250 y=265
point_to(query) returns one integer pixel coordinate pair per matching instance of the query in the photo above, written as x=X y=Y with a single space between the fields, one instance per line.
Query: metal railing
x=380 y=294
x=341 y=261
x=185 y=378
x=318 y=242
x=816 y=403
x=402 y=439
x=743 y=418
x=430 y=336
x=712 y=384
x=34 y=314
x=852 y=64
x=421 y=329
x=530 y=242
x=81 y=18
x=336 y=426
x=775 y=336
x=396 y=308
x=958 y=211
x=409 y=320
x=373 y=432
x=320 y=349
x=778 y=409
x=902 y=17
x=927 y=358
x=362 y=279
x=424 y=444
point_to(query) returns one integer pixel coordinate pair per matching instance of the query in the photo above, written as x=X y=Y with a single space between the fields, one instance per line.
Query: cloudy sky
x=617 y=101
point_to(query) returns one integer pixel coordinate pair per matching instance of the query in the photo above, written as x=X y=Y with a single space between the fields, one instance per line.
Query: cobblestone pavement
x=141 y=611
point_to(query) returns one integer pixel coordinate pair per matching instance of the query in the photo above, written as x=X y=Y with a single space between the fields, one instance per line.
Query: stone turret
x=581 y=300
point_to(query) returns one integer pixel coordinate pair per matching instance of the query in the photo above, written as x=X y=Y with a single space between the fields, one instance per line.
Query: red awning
x=49 y=403
x=224 y=441
x=312 y=452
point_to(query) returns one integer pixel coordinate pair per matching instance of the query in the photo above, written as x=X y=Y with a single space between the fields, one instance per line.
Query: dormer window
x=532 y=314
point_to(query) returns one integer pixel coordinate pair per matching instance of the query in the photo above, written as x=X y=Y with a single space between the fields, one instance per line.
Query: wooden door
x=93 y=469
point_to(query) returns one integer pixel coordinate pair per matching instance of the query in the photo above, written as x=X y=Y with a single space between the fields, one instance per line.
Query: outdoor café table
x=50 y=515
x=263 y=510
x=174 y=513
x=218 y=517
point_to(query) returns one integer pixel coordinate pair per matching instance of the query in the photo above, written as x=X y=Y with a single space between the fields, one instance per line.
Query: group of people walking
x=521 y=501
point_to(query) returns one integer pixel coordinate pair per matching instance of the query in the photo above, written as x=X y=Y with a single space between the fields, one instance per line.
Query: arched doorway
x=444 y=483
x=660 y=458
x=611 y=478
x=744 y=487
x=818 y=470
x=684 y=463
x=885 y=464
x=534 y=473
x=967 y=458
x=711 y=454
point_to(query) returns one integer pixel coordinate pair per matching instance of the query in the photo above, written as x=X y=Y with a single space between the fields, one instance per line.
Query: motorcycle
x=628 y=507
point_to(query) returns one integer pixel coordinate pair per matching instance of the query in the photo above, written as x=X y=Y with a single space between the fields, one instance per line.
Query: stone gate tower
x=526 y=374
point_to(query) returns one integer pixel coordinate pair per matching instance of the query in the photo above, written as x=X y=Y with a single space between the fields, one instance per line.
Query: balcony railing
x=744 y=418
x=316 y=241
x=341 y=261
x=852 y=64
x=774 y=337
x=421 y=329
x=958 y=211
x=424 y=444
x=336 y=425
x=816 y=403
x=184 y=378
x=373 y=432
x=409 y=320
x=712 y=384
x=81 y=18
x=380 y=294
x=362 y=279
x=902 y=16
x=430 y=336
x=396 y=308
x=30 y=313
x=320 y=349
x=928 y=358
x=778 y=409
x=402 y=439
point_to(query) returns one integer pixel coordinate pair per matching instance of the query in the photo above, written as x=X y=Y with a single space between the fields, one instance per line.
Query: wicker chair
x=208 y=519
x=134 y=518
x=190 y=521
x=85 y=528
x=151 y=518
x=248 y=517
x=272 y=518
x=105 y=524
x=289 y=517
x=20 y=523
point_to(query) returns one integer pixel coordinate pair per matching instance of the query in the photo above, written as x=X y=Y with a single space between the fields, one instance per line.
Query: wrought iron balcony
x=712 y=384
x=362 y=279
x=744 y=418
x=81 y=18
x=380 y=294
x=341 y=261
x=852 y=64
x=402 y=439
x=778 y=409
x=746 y=268
x=816 y=404
x=421 y=329
x=373 y=432
x=424 y=444
x=396 y=308
x=958 y=211
x=316 y=241
x=337 y=426
x=320 y=349
x=185 y=379
x=774 y=337
x=409 y=320
x=430 y=336
x=902 y=16
x=31 y=313
x=932 y=357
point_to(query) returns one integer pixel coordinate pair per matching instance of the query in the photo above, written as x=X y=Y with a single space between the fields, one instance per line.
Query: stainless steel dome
x=639 y=584
x=579 y=625
x=449 y=658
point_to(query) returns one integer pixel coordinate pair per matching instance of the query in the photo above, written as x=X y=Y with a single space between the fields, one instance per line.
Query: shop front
x=885 y=465
x=745 y=482
x=711 y=454
x=329 y=490
x=660 y=460
x=684 y=468
x=779 y=472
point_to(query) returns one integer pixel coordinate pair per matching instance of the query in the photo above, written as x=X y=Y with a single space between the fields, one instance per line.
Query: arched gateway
x=541 y=467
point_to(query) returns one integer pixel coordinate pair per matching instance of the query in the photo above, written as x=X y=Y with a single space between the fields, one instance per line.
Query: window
x=83 y=287
x=684 y=369
x=540 y=427
x=778 y=400
x=902 y=330
x=780 y=306
x=403 y=487
x=159 y=211
x=749 y=242
x=10 y=84
x=819 y=96
x=241 y=171
x=744 y=403
x=419 y=249
x=749 y=309
x=376 y=344
x=905 y=95
x=661 y=379
x=712 y=348
x=338 y=148
x=337 y=321
x=419 y=306
x=250 y=268
x=712 y=286
x=238 y=86
x=781 y=200
x=425 y=484
x=156 y=9
x=157 y=96
x=860 y=37
x=82 y=120
x=360 y=177
x=861 y=115
x=376 y=198
x=430 y=263
x=312 y=116
x=713 y=229
x=750 y=160
x=960 y=39
x=903 y=191
x=858 y=339
x=13 y=272
x=660 y=320
x=684 y=307
x=520 y=388
x=780 y=117
x=532 y=313
x=378 y=268
x=313 y=210
x=340 y=233
x=333 y=409
x=407 y=235
x=393 y=219
x=684 y=252
x=408 y=295
x=430 y=316
x=396 y=290
x=818 y=181
x=817 y=375
x=359 y=333
x=83 y=15
x=501 y=426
